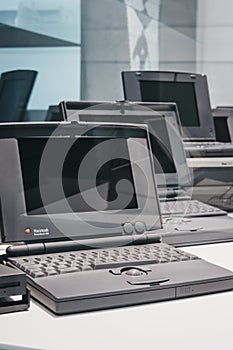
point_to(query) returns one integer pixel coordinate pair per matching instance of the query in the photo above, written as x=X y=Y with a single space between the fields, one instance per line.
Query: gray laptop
x=80 y=209
x=186 y=221
x=173 y=177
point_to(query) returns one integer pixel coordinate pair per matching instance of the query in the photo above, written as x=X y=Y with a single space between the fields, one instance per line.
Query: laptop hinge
x=65 y=246
x=170 y=192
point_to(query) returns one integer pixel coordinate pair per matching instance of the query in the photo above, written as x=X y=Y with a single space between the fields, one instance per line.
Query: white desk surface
x=200 y=323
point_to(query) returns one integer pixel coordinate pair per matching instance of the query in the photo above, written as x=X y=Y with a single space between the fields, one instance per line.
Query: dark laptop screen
x=78 y=182
x=221 y=129
x=161 y=147
x=159 y=138
x=164 y=128
x=182 y=93
x=188 y=90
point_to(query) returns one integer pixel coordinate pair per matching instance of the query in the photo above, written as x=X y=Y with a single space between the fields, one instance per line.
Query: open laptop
x=186 y=221
x=82 y=245
x=190 y=92
x=173 y=177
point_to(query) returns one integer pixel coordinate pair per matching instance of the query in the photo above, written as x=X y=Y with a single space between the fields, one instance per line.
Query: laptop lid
x=188 y=90
x=75 y=182
x=164 y=129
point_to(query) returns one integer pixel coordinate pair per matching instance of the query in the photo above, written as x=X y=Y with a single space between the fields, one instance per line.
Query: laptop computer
x=80 y=208
x=173 y=177
x=190 y=92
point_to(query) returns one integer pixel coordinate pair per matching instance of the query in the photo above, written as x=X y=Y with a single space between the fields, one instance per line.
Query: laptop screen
x=183 y=93
x=221 y=129
x=104 y=178
x=188 y=90
x=162 y=119
x=161 y=147
x=80 y=182
x=169 y=156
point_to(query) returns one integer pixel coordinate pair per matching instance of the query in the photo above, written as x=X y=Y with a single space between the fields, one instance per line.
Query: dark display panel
x=103 y=177
x=182 y=93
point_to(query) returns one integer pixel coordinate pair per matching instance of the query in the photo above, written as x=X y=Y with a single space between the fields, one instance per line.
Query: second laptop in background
x=186 y=221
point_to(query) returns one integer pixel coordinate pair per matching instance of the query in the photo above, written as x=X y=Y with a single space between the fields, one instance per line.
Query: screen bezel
x=13 y=209
x=84 y=111
x=132 y=92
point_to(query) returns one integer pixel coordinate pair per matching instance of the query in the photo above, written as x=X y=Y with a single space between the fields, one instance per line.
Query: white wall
x=116 y=36
x=215 y=48
x=145 y=27
x=177 y=35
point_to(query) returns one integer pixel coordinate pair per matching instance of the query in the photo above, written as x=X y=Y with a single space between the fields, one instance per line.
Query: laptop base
x=82 y=292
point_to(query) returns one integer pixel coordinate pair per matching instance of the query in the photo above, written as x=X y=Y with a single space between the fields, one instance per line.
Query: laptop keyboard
x=88 y=260
x=189 y=208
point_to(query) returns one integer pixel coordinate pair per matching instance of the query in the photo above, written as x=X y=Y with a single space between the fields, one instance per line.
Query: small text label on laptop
x=41 y=231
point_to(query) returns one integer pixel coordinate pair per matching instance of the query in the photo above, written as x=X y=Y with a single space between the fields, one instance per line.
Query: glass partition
x=77 y=43
x=44 y=36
